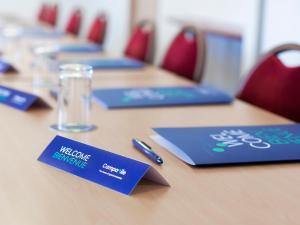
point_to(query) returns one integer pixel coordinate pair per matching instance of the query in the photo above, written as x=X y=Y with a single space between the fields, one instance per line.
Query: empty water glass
x=74 y=98
x=41 y=71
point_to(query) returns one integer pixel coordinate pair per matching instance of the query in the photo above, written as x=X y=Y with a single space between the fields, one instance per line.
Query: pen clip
x=147 y=146
x=143 y=144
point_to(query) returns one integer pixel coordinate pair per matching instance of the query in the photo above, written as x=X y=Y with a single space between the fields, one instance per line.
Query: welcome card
x=161 y=96
x=102 y=167
x=232 y=145
x=20 y=100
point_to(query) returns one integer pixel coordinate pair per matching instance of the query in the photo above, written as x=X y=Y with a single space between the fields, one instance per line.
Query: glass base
x=73 y=128
x=42 y=84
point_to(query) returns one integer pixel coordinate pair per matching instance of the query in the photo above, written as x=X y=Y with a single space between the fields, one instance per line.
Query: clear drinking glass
x=40 y=71
x=74 y=98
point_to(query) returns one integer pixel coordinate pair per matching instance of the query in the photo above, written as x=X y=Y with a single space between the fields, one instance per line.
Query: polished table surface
x=32 y=193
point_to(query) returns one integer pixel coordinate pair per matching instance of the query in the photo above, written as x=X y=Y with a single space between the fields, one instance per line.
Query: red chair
x=140 y=45
x=74 y=23
x=274 y=86
x=42 y=14
x=51 y=15
x=186 y=54
x=97 y=30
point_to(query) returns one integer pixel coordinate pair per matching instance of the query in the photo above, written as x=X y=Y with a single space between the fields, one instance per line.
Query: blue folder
x=205 y=146
x=123 y=63
x=40 y=33
x=29 y=32
x=67 y=48
x=162 y=96
x=80 y=48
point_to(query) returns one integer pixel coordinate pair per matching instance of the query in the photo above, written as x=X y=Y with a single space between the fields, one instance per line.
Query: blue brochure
x=102 y=167
x=67 y=48
x=162 y=96
x=29 y=32
x=124 y=63
x=6 y=67
x=73 y=48
x=39 y=33
x=232 y=145
x=19 y=99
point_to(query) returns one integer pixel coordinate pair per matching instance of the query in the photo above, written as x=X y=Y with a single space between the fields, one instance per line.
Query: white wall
x=25 y=9
x=119 y=19
x=241 y=13
x=281 y=23
x=117 y=10
x=145 y=10
x=281 y=26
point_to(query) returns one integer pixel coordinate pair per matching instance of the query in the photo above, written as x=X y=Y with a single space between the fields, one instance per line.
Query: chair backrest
x=74 y=23
x=186 y=54
x=97 y=30
x=42 y=14
x=274 y=86
x=141 y=43
x=52 y=15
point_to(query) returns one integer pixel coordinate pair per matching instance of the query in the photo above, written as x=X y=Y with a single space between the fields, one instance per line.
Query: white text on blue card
x=108 y=169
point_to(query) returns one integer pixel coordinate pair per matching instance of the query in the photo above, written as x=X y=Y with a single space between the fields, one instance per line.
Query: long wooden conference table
x=32 y=193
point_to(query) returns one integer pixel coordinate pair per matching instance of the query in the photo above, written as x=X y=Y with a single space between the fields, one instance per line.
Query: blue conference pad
x=40 y=33
x=122 y=63
x=102 y=167
x=20 y=100
x=232 y=145
x=160 y=96
x=6 y=67
x=30 y=32
x=67 y=48
x=80 y=48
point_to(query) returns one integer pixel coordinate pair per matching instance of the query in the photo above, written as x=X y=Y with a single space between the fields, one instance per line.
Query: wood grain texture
x=32 y=193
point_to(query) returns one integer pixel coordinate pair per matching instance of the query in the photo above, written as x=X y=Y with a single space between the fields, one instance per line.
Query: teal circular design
x=221 y=145
x=218 y=149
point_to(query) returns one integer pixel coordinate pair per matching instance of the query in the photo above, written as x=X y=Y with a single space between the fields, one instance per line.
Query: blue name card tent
x=67 y=48
x=102 y=167
x=20 y=100
x=6 y=67
x=160 y=96
x=122 y=63
x=204 y=146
